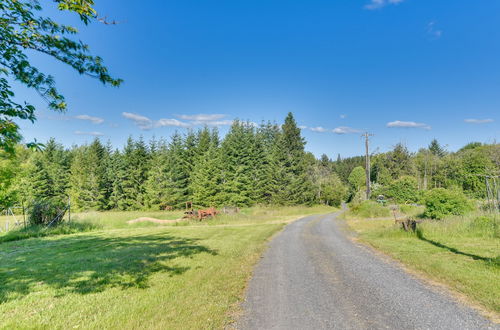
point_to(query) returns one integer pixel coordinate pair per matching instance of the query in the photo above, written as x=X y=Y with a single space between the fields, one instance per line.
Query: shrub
x=369 y=209
x=357 y=178
x=440 y=202
x=404 y=190
x=44 y=212
x=334 y=191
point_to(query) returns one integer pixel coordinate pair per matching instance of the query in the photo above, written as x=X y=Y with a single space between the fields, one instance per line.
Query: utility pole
x=367 y=135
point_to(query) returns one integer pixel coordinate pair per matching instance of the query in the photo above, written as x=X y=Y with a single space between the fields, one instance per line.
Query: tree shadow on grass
x=494 y=261
x=88 y=264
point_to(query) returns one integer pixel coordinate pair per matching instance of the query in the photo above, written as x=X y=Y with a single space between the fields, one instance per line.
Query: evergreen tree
x=136 y=167
x=237 y=161
x=50 y=172
x=267 y=136
x=292 y=182
x=436 y=149
x=156 y=184
x=206 y=178
x=399 y=162
x=177 y=175
x=117 y=169
x=88 y=181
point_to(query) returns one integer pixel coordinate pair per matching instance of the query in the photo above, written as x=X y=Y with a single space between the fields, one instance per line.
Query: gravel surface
x=314 y=277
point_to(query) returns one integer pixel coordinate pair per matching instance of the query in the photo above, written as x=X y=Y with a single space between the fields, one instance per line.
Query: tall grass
x=89 y=221
x=460 y=251
x=368 y=209
x=42 y=231
x=478 y=224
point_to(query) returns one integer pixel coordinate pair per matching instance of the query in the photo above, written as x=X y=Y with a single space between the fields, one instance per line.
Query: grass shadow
x=90 y=263
x=42 y=231
x=494 y=261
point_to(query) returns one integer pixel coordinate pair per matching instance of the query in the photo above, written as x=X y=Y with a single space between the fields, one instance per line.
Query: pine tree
x=117 y=173
x=88 y=179
x=436 y=149
x=237 y=165
x=136 y=166
x=49 y=172
x=293 y=183
x=177 y=175
x=206 y=178
x=156 y=184
x=399 y=161
x=268 y=135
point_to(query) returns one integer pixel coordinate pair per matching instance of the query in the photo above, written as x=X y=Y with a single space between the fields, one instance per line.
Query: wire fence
x=17 y=217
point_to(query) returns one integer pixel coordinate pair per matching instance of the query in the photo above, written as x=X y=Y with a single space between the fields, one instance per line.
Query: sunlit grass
x=462 y=252
x=137 y=276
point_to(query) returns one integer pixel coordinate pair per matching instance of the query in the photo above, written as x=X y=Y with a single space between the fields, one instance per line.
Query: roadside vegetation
x=462 y=252
x=452 y=198
x=455 y=242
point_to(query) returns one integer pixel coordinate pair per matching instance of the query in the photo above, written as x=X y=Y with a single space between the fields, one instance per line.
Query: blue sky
x=405 y=70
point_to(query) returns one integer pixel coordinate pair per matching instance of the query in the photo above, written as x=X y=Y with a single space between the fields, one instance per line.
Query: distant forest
x=250 y=165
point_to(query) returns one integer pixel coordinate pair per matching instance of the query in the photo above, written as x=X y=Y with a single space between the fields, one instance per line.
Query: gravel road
x=314 y=277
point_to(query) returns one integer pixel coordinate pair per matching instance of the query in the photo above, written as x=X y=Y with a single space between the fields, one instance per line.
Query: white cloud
x=201 y=117
x=226 y=122
x=142 y=122
x=89 y=133
x=478 y=121
x=345 y=130
x=319 y=129
x=343 y=116
x=408 y=124
x=215 y=119
x=94 y=120
x=338 y=130
x=433 y=31
x=170 y=122
x=377 y=4
x=145 y=123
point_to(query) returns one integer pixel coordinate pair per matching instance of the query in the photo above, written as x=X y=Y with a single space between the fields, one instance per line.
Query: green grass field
x=140 y=276
x=460 y=252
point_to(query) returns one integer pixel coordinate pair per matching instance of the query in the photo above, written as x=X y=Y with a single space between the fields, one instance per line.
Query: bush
x=369 y=209
x=357 y=178
x=334 y=192
x=44 y=212
x=404 y=190
x=440 y=202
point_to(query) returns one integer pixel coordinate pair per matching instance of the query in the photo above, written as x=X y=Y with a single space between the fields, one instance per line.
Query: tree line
x=403 y=176
x=251 y=165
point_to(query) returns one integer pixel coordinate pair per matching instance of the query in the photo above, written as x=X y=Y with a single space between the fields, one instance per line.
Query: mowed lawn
x=164 y=277
x=452 y=252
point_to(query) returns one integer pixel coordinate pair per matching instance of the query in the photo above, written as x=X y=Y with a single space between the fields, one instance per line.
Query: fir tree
x=292 y=182
x=89 y=182
x=156 y=184
x=436 y=149
x=177 y=175
x=206 y=178
x=237 y=165
x=50 y=172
